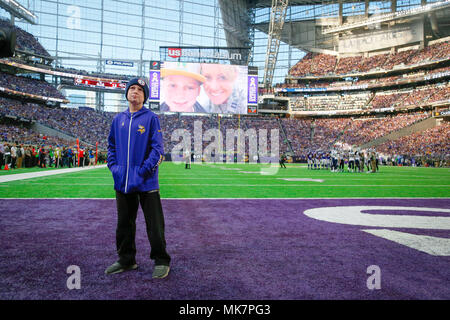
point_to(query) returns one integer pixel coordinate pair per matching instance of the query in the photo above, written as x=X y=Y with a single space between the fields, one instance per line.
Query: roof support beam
x=277 y=16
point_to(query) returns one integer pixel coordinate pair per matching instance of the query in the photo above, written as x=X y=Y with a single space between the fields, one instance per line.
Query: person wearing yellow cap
x=181 y=87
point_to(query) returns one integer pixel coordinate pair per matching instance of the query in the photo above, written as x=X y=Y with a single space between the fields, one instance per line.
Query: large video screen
x=203 y=88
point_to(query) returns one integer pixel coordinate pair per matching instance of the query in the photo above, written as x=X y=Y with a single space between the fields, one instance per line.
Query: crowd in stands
x=369 y=98
x=307 y=135
x=13 y=133
x=442 y=93
x=432 y=143
x=296 y=136
x=326 y=132
x=377 y=81
x=359 y=131
x=87 y=125
x=320 y=64
x=29 y=86
x=25 y=41
x=399 y=98
x=323 y=64
x=386 y=99
x=411 y=97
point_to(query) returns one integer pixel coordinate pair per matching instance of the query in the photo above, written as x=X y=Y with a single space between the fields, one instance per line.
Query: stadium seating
x=302 y=135
x=296 y=136
x=30 y=86
x=359 y=131
x=19 y=134
x=87 y=125
x=431 y=143
x=319 y=64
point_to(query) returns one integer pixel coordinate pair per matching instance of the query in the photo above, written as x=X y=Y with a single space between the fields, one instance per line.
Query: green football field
x=241 y=181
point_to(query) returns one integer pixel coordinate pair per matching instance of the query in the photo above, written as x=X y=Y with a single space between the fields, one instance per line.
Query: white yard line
x=255 y=185
x=38 y=174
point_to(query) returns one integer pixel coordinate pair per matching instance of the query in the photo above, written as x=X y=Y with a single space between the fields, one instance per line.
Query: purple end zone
x=221 y=249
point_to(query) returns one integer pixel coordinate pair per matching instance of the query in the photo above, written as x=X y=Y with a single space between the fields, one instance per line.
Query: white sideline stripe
x=165 y=177
x=248 y=185
x=301 y=179
x=37 y=174
x=303 y=185
x=234 y=177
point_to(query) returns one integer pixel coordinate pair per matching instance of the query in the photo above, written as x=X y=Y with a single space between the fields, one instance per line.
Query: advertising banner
x=380 y=39
x=252 y=89
x=154 y=85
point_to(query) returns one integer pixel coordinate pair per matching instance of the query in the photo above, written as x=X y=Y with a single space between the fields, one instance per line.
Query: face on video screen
x=219 y=82
x=181 y=92
x=203 y=88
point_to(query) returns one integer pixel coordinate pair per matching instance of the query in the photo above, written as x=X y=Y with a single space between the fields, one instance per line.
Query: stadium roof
x=17 y=10
x=318 y=33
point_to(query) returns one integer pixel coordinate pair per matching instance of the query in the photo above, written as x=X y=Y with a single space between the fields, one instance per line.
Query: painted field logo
x=357 y=215
x=174 y=52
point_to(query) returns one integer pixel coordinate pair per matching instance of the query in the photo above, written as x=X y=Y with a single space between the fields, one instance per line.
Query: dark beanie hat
x=140 y=82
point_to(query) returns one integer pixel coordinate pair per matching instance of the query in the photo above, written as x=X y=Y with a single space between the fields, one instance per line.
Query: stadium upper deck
x=320 y=65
